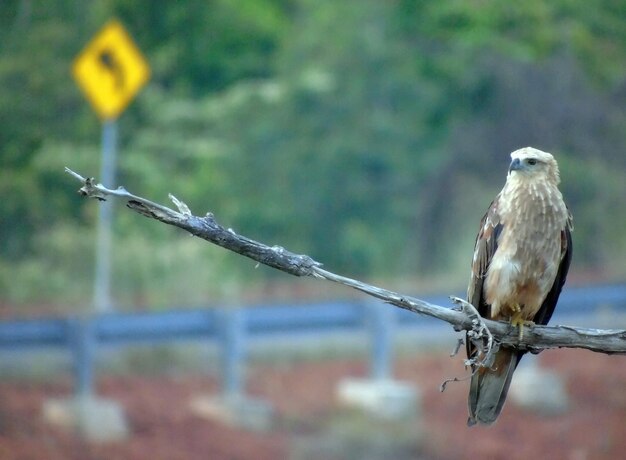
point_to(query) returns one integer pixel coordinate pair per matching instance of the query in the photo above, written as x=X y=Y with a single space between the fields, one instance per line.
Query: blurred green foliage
x=370 y=135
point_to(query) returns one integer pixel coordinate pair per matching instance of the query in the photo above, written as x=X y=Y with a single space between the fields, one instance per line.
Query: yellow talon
x=518 y=321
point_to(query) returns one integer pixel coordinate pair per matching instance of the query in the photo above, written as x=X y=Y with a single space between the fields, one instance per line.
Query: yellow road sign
x=111 y=70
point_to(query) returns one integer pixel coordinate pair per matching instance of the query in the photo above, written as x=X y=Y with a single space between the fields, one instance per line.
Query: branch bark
x=461 y=317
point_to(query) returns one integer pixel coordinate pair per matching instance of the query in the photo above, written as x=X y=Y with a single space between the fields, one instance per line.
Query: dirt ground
x=309 y=423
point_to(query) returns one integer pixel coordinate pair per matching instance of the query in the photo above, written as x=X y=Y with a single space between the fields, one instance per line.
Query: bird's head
x=529 y=163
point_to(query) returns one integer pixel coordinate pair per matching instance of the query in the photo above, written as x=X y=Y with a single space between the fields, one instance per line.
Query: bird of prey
x=521 y=258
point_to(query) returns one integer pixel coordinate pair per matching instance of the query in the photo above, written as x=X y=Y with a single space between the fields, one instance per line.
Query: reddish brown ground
x=163 y=427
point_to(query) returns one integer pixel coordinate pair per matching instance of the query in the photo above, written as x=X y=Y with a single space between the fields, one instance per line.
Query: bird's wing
x=485 y=248
x=547 y=307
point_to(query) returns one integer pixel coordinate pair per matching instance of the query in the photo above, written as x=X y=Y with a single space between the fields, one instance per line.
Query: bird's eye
x=531 y=161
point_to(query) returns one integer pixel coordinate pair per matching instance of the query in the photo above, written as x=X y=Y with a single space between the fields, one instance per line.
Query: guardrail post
x=93 y=418
x=232 y=406
x=233 y=351
x=82 y=341
x=381 y=324
x=380 y=394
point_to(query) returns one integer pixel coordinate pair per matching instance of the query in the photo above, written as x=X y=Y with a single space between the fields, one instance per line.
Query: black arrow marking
x=107 y=59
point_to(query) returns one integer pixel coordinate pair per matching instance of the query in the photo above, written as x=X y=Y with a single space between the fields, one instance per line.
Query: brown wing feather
x=484 y=249
x=547 y=307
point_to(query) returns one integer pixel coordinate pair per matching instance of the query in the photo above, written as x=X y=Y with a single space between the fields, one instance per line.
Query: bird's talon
x=519 y=322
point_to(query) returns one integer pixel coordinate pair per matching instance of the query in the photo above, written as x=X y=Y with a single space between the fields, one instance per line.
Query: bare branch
x=490 y=334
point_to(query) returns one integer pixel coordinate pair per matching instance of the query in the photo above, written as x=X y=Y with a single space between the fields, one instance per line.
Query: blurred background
x=369 y=135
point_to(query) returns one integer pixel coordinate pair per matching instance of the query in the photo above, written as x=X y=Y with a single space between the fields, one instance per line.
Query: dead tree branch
x=463 y=317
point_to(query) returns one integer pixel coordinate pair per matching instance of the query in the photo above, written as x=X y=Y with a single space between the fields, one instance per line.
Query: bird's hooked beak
x=516 y=165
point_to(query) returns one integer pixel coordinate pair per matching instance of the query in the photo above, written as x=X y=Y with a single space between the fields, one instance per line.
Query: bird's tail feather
x=489 y=387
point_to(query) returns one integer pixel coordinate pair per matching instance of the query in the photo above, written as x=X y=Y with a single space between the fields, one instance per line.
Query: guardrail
x=232 y=329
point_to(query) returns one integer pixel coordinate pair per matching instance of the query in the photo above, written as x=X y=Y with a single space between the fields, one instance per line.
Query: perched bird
x=521 y=258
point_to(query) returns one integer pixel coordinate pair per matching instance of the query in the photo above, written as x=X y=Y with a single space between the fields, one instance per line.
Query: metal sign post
x=102 y=284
